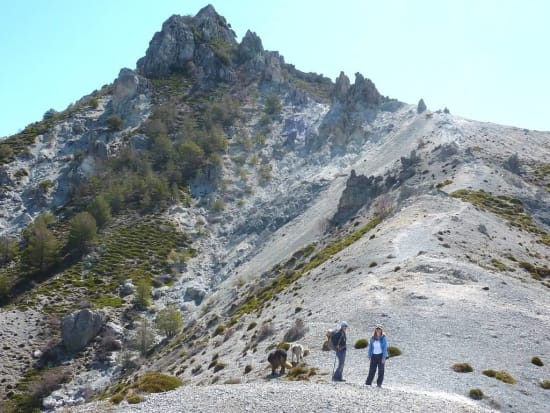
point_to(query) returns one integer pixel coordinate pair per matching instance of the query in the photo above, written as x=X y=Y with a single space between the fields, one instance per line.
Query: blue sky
x=486 y=59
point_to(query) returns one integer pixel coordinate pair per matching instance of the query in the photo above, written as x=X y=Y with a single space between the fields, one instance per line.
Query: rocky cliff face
x=202 y=46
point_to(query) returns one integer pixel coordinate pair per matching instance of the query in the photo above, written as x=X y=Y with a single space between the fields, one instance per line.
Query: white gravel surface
x=280 y=397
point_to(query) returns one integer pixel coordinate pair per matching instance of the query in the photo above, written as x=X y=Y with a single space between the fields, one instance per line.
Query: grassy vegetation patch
x=256 y=299
x=301 y=372
x=444 y=183
x=506 y=207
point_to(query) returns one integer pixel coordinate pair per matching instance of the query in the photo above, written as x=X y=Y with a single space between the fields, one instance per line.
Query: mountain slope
x=251 y=196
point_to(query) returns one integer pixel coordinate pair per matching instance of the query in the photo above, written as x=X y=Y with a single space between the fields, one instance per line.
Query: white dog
x=297 y=350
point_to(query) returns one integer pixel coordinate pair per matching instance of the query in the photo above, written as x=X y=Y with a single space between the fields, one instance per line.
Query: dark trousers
x=376 y=363
x=341 y=355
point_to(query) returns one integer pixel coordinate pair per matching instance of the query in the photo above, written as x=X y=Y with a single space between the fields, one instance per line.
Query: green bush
x=154 y=382
x=82 y=231
x=252 y=325
x=301 y=372
x=505 y=377
x=393 y=351
x=462 y=368
x=489 y=372
x=100 y=210
x=273 y=105
x=114 y=122
x=476 y=394
x=537 y=361
x=135 y=399
x=117 y=398
x=248 y=368
x=361 y=343
x=219 y=330
x=545 y=384
x=283 y=346
x=169 y=321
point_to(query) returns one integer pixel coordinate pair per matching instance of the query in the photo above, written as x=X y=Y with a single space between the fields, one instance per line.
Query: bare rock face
x=202 y=45
x=360 y=191
x=78 y=328
x=250 y=47
x=341 y=88
x=130 y=97
x=364 y=91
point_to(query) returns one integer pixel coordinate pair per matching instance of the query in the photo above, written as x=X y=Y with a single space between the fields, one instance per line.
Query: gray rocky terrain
x=454 y=273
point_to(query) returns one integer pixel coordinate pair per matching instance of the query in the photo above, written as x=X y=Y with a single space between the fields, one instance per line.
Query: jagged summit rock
x=200 y=45
x=341 y=88
x=250 y=47
x=363 y=91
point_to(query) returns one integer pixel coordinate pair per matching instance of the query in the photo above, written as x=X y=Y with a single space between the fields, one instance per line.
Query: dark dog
x=277 y=358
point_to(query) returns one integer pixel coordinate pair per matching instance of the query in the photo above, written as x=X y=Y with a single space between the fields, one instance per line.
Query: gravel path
x=279 y=397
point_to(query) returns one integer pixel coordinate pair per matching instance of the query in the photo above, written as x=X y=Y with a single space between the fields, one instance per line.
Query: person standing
x=339 y=343
x=378 y=353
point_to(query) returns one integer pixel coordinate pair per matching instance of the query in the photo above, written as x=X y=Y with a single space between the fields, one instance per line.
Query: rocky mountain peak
x=250 y=47
x=363 y=91
x=200 y=46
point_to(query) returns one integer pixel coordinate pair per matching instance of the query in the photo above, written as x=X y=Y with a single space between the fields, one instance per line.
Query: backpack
x=331 y=344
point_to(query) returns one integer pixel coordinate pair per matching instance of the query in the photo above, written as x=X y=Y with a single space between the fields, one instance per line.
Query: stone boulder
x=78 y=328
x=195 y=293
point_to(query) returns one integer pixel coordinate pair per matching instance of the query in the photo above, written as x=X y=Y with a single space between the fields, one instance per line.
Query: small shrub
x=283 y=346
x=489 y=372
x=537 y=361
x=219 y=366
x=361 y=343
x=153 y=382
x=266 y=330
x=476 y=394
x=393 y=351
x=117 y=398
x=219 y=330
x=114 y=123
x=373 y=264
x=247 y=368
x=301 y=372
x=233 y=380
x=505 y=377
x=251 y=326
x=296 y=332
x=462 y=368
x=135 y=399
x=545 y=384
x=444 y=183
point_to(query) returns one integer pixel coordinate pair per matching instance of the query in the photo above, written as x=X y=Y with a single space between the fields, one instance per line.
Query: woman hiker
x=339 y=343
x=378 y=353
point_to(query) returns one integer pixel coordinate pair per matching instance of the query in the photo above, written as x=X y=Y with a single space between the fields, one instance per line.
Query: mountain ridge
x=242 y=189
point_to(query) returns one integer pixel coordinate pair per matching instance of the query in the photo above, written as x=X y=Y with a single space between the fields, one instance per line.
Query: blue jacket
x=383 y=344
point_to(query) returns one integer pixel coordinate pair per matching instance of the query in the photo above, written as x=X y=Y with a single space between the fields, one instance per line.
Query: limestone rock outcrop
x=202 y=46
x=78 y=328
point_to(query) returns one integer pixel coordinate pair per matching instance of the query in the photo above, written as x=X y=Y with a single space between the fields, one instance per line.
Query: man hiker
x=339 y=344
